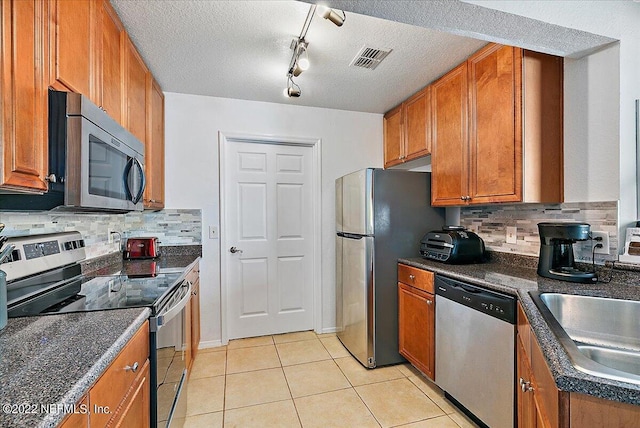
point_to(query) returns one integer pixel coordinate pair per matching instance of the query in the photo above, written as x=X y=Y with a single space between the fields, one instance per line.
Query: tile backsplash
x=172 y=227
x=490 y=223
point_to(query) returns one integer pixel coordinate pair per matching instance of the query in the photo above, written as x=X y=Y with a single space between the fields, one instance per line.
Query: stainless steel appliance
x=475 y=351
x=380 y=216
x=94 y=163
x=452 y=244
x=556 y=251
x=44 y=277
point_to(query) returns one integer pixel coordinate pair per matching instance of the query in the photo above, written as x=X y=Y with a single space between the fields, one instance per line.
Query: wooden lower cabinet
x=592 y=412
x=134 y=411
x=80 y=418
x=416 y=318
x=540 y=404
x=120 y=397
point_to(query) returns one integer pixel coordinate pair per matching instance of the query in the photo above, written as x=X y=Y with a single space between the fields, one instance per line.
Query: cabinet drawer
x=419 y=278
x=114 y=383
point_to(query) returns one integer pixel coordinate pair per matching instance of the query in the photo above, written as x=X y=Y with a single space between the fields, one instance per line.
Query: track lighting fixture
x=331 y=15
x=300 y=58
x=292 y=90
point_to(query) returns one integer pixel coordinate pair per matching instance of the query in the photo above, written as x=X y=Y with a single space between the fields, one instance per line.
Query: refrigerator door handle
x=351 y=235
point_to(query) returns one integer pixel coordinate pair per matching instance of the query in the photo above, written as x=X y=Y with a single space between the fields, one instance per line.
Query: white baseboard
x=328 y=330
x=210 y=344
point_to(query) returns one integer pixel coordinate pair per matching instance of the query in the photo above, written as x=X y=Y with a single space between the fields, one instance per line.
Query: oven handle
x=125 y=177
x=173 y=311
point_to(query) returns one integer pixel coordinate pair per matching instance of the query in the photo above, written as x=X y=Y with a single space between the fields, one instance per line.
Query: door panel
x=356 y=203
x=269 y=218
x=449 y=147
x=254 y=287
x=357 y=296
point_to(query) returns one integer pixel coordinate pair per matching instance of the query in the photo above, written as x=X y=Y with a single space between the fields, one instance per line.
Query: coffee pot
x=556 y=251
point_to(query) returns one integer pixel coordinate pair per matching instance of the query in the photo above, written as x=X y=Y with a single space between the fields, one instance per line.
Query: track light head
x=292 y=92
x=331 y=15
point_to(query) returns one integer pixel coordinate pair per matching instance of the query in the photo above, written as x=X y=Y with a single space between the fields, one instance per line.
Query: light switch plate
x=213 y=232
x=512 y=233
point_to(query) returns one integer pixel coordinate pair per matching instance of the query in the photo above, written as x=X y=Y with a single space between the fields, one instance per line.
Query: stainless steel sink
x=601 y=335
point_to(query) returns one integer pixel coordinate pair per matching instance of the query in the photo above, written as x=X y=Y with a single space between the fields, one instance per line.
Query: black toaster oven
x=452 y=244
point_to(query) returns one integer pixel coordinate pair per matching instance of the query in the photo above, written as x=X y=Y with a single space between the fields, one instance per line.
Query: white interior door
x=269 y=221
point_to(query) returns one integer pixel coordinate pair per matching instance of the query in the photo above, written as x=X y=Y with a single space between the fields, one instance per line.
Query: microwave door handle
x=143 y=182
x=127 y=172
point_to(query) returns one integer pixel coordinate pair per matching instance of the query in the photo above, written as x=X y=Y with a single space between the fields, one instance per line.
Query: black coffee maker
x=556 y=251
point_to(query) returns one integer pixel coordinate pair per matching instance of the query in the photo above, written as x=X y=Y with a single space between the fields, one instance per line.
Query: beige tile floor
x=308 y=380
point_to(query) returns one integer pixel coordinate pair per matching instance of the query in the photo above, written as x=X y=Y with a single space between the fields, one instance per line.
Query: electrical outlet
x=604 y=242
x=213 y=232
x=512 y=233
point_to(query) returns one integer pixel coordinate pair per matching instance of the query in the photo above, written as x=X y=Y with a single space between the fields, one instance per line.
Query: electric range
x=44 y=276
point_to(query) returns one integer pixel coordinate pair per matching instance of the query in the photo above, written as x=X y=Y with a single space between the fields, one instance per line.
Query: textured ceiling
x=240 y=49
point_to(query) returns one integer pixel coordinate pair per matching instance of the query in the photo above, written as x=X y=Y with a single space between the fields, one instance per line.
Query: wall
x=350 y=141
x=173 y=227
x=490 y=223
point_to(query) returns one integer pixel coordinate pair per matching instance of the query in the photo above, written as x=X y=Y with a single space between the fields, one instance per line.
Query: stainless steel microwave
x=94 y=163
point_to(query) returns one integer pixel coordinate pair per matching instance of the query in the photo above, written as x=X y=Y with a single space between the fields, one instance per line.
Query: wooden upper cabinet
x=407 y=130
x=495 y=126
x=449 y=157
x=505 y=143
x=154 y=147
x=23 y=95
x=135 y=90
x=417 y=125
x=111 y=63
x=393 y=139
x=73 y=47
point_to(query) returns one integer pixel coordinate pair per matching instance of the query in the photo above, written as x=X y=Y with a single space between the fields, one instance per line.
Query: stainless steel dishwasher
x=475 y=350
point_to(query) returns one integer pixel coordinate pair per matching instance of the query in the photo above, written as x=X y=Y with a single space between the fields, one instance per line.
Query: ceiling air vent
x=369 y=57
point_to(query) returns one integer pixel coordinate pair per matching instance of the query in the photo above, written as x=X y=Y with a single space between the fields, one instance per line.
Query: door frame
x=224 y=140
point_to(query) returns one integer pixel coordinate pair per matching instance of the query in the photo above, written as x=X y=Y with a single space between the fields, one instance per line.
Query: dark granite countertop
x=172 y=257
x=53 y=360
x=517 y=276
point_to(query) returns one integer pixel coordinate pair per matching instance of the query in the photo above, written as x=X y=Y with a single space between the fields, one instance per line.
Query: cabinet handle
x=133 y=368
x=412 y=277
x=429 y=302
x=194 y=293
x=525 y=385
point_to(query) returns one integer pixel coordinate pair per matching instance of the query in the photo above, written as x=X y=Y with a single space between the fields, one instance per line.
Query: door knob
x=234 y=250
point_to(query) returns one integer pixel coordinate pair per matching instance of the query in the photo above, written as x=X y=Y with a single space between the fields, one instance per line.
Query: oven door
x=101 y=171
x=169 y=360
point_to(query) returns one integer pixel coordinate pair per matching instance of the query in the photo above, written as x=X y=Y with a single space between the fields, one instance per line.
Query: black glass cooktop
x=83 y=293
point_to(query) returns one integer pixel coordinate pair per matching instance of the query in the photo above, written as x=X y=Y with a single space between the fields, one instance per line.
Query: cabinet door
x=73 y=46
x=416 y=322
x=154 y=147
x=111 y=62
x=526 y=405
x=495 y=128
x=23 y=95
x=79 y=419
x=195 y=318
x=449 y=151
x=135 y=91
x=134 y=412
x=393 y=138
x=417 y=125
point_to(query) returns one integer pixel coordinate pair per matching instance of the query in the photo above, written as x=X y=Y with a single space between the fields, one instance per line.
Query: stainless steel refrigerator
x=381 y=215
